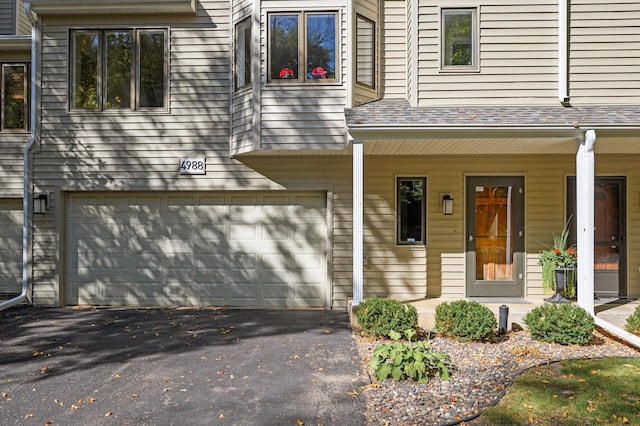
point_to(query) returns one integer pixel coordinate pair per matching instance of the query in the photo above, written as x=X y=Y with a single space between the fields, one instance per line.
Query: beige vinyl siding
x=23 y=25
x=394 y=49
x=605 y=52
x=517 y=56
x=306 y=115
x=11 y=161
x=11 y=248
x=368 y=9
x=7 y=17
x=243 y=101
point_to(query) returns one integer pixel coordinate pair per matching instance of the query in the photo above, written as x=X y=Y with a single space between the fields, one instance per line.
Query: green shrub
x=633 y=322
x=406 y=360
x=465 y=320
x=560 y=323
x=377 y=317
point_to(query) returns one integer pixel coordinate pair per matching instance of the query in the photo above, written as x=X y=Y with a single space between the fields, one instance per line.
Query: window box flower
x=286 y=73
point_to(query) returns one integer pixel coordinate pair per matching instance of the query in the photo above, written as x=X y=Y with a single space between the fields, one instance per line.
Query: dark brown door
x=609 y=233
x=495 y=237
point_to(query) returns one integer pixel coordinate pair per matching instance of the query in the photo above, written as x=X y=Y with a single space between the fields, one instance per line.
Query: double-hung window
x=303 y=46
x=411 y=210
x=119 y=69
x=14 y=111
x=459 y=39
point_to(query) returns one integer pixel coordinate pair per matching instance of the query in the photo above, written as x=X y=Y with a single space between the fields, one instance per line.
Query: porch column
x=357 y=184
x=585 y=186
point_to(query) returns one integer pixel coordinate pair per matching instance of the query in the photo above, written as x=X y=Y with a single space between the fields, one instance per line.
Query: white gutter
x=585 y=182
x=563 y=35
x=26 y=196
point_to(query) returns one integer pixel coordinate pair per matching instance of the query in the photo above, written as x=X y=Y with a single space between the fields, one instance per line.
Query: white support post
x=585 y=185
x=358 y=253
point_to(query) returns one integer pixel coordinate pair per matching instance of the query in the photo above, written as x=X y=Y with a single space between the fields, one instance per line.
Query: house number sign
x=193 y=166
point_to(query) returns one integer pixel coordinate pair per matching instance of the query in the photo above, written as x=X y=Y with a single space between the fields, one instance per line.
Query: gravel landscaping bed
x=484 y=372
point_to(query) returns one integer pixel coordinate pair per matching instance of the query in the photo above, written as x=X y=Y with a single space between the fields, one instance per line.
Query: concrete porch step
x=615 y=311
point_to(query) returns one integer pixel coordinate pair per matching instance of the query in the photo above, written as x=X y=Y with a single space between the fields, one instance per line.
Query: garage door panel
x=230 y=249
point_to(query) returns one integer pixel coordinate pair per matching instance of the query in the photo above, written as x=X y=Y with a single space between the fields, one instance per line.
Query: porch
x=613 y=310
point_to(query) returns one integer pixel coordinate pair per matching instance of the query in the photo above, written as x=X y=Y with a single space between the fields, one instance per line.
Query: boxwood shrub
x=379 y=316
x=633 y=322
x=465 y=320
x=562 y=323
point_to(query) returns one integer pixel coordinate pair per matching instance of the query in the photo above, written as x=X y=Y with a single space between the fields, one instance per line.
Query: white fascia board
x=115 y=7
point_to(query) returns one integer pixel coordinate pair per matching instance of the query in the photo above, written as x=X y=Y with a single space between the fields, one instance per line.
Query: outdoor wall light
x=40 y=203
x=447 y=204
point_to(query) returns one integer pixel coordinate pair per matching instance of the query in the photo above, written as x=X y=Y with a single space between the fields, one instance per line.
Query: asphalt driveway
x=113 y=366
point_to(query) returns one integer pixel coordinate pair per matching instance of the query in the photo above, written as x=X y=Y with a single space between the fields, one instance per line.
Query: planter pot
x=562 y=279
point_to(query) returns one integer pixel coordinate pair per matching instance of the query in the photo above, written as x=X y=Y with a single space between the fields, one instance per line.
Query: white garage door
x=11 y=247
x=196 y=249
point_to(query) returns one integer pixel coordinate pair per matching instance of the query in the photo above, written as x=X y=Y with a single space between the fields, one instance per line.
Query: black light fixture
x=40 y=203
x=447 y=204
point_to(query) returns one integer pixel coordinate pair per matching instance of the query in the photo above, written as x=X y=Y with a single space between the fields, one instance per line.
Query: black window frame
x=136 y=56
x=244 y=26
x=400 y=226
x=26 y=97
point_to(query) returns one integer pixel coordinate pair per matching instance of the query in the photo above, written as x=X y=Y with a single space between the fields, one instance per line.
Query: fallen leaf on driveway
x=109 y=414
x=300 y=422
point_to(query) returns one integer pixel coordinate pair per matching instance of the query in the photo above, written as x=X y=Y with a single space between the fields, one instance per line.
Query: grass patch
x=602 y=391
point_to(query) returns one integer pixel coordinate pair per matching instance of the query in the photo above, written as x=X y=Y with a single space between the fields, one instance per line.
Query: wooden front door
x=495 y=236
x=609 y=256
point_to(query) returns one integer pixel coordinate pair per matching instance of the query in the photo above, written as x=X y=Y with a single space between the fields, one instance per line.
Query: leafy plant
x=558 y=256
x=465 y=320
x=633 y=322
x=380 y=316
x=560 y=323
x=407 y=360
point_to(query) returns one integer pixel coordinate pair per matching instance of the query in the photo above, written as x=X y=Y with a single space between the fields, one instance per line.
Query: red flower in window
x=286 y=73
x=319 y=72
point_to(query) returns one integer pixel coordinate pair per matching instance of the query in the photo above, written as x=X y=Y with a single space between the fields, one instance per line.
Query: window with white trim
x=303 y=46
x=459 y=39
x=119 y=69
x=14 y=110
x=411 y=210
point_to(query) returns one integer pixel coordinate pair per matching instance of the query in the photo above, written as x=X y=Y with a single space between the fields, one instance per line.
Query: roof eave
x=113 y=7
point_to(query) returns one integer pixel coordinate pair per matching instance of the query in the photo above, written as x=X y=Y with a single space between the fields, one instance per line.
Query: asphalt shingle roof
x=398 y=112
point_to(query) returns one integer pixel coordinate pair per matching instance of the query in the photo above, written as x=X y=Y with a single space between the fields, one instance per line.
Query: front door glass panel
x=494 y=233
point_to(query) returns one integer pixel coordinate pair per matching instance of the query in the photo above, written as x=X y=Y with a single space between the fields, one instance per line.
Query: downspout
x=563 y=57
x=585 y=178
x=26 y=196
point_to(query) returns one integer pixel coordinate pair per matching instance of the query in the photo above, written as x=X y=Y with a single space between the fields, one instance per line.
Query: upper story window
x=15 y=98
x=365 y=51
x=303 y=46
x=242 y=54
x=119 y=69
x=459 y=39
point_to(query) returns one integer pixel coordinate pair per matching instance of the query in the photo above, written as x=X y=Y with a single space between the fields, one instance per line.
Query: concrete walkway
x=615 y=311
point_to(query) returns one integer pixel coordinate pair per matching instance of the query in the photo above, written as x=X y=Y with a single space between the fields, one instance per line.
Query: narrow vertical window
x=459 y=39
x=320 y=45
x=84 y=75
x=118 y=61
x=365 y=51
x=152 y=64
x=284 y=55
x=243 y=54
x=411 y=210
x=14 y=97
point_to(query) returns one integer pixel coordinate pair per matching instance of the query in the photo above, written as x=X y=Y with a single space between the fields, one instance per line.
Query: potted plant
x=559 y=268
